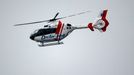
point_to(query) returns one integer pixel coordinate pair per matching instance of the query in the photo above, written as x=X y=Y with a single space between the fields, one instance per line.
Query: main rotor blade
x=56 y=15
x=31 y=23
x=54 y=19
x=73 y=15
x=50 y=20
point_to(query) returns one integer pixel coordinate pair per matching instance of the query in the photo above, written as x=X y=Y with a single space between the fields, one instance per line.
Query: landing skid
x=50 y=44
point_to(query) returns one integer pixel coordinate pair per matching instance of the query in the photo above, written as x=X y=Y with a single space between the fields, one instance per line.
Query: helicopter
x=53 y=33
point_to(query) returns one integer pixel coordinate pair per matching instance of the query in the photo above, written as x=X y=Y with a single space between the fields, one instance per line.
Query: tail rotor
x=101 y=24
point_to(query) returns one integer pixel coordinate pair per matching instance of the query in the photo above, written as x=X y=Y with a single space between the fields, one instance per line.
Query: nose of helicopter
x=32 y=37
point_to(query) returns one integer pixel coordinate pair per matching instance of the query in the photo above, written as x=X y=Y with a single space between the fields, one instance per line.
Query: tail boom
x=101 y=24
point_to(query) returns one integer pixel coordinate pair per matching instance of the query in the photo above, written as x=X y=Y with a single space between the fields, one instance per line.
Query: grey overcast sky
x=83 y=52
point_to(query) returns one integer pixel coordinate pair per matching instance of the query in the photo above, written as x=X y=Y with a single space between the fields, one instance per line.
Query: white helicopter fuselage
x=52 y=33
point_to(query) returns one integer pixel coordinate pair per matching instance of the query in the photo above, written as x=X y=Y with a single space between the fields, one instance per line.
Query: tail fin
x=102 y=23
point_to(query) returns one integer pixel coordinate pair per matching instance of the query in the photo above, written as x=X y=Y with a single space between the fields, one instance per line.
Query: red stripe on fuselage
x=58 y=27
x=59 y=30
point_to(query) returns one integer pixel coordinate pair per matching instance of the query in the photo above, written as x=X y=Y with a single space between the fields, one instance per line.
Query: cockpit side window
x=68 y=24
x=46 y=31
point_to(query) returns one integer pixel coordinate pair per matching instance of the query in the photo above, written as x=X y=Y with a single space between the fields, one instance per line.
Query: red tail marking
x=104 y=14
x=106 y=24
x=105 y=20
x=90 y=27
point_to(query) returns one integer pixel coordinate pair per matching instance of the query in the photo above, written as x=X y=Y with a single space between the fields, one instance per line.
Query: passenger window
x=68 y=27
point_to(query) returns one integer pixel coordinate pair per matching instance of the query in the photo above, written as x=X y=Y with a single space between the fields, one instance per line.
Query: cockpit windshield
x=35 y=31
x=44 y=31
x=47 y=31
